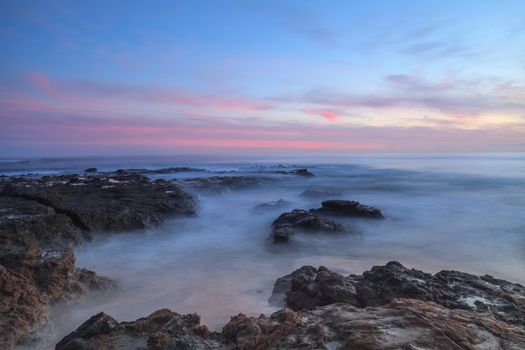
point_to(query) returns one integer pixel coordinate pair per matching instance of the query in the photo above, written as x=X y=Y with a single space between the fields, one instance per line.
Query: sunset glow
x=258 y=79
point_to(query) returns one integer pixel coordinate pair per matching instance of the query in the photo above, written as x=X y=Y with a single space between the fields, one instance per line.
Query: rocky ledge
x=347 y=208
x=42 y=218
x=339 y=312
x=287 y=225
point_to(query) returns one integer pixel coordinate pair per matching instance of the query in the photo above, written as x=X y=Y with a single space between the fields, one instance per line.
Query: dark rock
x=91 y=170
x=271 y=205
x=116 y=202
x=171 y=170
x=217 y=184
x=454 y=290
x=163 y=329
x=308 y=287
x=348 y=208
x=320 y=194
x=288 y=224
x=40 y=218
x=298 y=172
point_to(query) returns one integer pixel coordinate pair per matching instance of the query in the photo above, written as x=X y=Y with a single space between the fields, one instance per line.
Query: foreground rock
x=308 y=287
x=163 y=329
x=288 y=224
x=41 y=218
x=332 y=314
x=348 y=208
x=109 y=202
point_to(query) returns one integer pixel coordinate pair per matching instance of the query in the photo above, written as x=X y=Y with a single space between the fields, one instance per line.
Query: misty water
x=462 y=212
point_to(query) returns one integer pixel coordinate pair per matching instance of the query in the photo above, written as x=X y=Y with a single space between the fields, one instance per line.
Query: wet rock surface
x=288 y=224
x=41 y=218
x=308 y=287
x=108 y=202
x=329 y=315
x=347 y=208
x=163 y=329
x=218 y=184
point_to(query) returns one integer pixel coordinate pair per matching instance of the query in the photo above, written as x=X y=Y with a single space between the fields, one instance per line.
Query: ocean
x=461 y=212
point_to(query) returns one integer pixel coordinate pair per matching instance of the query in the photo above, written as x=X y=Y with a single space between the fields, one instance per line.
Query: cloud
x=83 y=92
x=330 y=115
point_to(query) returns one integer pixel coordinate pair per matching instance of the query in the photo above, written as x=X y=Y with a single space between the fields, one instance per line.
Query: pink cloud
x=82 y=92
x=329 y=115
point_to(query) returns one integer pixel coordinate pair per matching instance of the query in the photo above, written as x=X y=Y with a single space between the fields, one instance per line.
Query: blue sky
x=273 y=76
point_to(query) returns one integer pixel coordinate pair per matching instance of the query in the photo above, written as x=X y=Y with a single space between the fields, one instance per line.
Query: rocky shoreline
x=389 y=307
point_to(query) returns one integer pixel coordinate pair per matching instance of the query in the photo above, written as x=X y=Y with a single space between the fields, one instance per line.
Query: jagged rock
x=163 y=329
x=116 y=202
x=307 y=287
x=347 y=208
x=271 y=205
x=32 y=279
x=320 y=194
x=400 y=324
x=304 y=288
x=287 y=225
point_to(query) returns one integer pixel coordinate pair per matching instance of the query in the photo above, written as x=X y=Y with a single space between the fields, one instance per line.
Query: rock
x=347 y=208
x=271 y=205
x=298 y=172
x=115 y=202
x=32 y=279
x=320 y=194
x=171 y=170
x=308 y=287
x=91 y=170
x=304 y=288
x=400 y=324
x=217 y=184
x=288 y=224
x=163 y=329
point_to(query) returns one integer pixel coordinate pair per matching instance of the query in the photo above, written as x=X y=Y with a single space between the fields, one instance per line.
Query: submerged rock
x=280 y=203
x=298 y=172
x=348 y=208
x=320 y=194
x=288 y=224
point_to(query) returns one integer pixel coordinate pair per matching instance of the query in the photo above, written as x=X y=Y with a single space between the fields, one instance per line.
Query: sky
x=261 y=77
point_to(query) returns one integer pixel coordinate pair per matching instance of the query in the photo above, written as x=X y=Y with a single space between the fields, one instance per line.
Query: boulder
x=288 y=224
